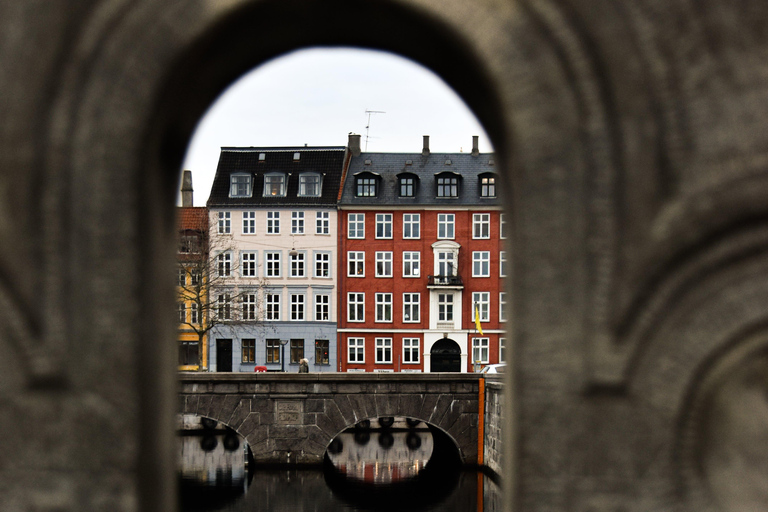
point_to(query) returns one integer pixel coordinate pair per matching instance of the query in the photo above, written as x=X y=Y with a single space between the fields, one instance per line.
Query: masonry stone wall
x=630 y=138
x=291 y=418
x=493 y=445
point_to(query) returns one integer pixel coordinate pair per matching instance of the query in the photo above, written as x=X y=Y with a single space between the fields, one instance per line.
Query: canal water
x=401 y=468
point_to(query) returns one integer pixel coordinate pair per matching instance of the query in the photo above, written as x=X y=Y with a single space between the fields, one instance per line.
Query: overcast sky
x=317 y=96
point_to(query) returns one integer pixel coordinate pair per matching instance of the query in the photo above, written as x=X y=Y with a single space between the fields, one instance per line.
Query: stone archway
x=445 y=356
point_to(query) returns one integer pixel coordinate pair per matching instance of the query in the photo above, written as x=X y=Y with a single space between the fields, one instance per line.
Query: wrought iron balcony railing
x=444 y=281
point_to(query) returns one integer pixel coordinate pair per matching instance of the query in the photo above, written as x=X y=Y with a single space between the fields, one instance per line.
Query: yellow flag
x=477 y=320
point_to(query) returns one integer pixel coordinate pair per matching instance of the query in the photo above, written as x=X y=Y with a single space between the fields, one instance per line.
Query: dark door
x=445 y=356
x=224 y=355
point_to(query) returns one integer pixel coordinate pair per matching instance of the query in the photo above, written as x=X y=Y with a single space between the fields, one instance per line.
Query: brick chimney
x=475 y=150
x=354 y=144
x=186 y=188
x=425 y=149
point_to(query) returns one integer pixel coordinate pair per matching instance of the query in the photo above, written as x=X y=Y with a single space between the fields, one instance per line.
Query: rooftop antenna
x=370 y=112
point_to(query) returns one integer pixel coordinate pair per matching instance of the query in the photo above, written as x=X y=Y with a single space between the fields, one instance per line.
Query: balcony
x=445 y=282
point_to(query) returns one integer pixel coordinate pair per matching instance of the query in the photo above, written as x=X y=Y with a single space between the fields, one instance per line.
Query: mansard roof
x=327 y=161
x=388 y=167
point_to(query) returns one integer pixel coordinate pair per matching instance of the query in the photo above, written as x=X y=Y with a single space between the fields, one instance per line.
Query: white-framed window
x=383 y=350
x=272 y=302
x=445 y=263
x=298 y=267
x=481 y=303
x=274 y=185
x=383 y=264
x=309 y=185
x=249 y=304
x=445 y=307
x=182 y=276
x=322 y=307
x=323 y=223
x=194 y=310
x=356 y=225
x=411 y=225
x=356 y=350
x=445 y=226
x=224 y=306
x=194 y=277
x=480 y=350
x=297 y=306
x=297 y=223
x=481 y=264
x=502 y=306
x=356 y=307
x=383 y=225
x=224 y=264
x=225 y=223
x=502 y=350
x=272 y=260
x=248 y=266
x=488 y=186
x=249 y=223
x=502 y=226
x=411 y=263
x=383 y=307
x=411 y=350
x=273 y=223
x=502 y=263
x=322 y=264
x=356 y=264
x=182 y=311
x=481 y=225
x=411 y=307
x=240 y=185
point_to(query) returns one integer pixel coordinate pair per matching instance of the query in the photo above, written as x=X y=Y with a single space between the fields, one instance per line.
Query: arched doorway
x=445 y=356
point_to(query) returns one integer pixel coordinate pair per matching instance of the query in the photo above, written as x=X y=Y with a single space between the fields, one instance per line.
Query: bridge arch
x=294 y=417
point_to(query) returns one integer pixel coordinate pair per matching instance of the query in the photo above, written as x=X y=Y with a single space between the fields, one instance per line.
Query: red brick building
x=421 y=251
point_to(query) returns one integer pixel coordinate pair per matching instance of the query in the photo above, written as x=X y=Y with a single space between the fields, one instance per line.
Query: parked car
x=494 y=368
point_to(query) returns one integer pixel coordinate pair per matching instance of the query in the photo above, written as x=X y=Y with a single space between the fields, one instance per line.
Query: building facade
x=422 y=262
x=274 y=237
x=191 y=288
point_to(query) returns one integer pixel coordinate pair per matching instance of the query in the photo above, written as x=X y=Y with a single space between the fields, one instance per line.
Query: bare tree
x=208 y=295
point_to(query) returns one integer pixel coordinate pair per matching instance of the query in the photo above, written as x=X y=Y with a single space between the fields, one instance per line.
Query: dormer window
x=407 y=184
x=274 y=185
x=488 y=185
x=240 y=185
x=310 y=185
x=366 y=184
x=447 y=185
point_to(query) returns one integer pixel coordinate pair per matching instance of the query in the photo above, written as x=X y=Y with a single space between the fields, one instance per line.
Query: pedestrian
x=304 y=365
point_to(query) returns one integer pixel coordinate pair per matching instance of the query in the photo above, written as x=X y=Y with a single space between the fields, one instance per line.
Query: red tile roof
x=193 y=217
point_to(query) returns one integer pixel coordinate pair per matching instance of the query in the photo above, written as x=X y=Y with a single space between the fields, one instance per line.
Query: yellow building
x=192 y=293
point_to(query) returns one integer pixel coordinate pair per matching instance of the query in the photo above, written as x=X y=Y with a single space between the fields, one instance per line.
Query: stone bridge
x=291 y=418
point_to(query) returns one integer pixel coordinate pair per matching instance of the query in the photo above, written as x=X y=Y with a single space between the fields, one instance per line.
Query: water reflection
x=400 y=468
x=382 y=457
x=213 y=468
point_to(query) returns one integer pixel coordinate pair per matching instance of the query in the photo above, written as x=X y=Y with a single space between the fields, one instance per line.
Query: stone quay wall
x=494 y=423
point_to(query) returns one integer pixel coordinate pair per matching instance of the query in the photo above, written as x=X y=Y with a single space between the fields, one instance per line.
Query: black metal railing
x=444 y=281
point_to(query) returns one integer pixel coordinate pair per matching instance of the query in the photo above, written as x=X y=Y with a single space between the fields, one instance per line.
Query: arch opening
x=215 y=463
x=397 y=459
x=445 y=356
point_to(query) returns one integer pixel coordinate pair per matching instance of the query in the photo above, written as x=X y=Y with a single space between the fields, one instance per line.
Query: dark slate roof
x=387 y=167
x=327 y=160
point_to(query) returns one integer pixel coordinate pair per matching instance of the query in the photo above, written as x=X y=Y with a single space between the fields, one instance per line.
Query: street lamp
x=283 y=343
